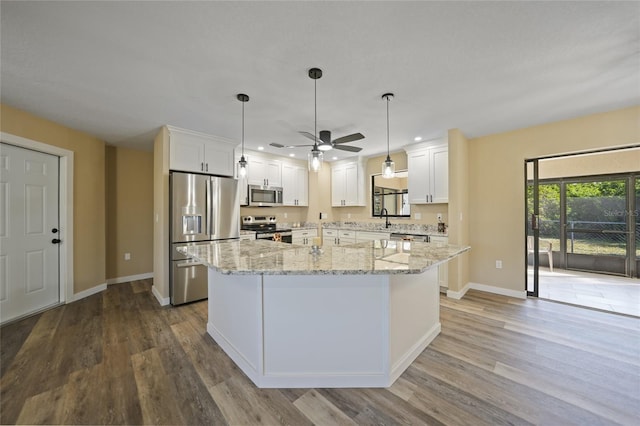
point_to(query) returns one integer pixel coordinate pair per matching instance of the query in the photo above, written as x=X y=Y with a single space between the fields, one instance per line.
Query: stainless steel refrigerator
x=203 y=209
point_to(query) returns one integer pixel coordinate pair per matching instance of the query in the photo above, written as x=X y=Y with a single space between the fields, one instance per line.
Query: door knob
x=56 y=241
x=54 y=230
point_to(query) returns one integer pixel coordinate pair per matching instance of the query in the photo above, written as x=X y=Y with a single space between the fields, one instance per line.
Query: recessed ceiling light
x=334 y=158
x=260 y=148
x=292 y=155
x=417 y=138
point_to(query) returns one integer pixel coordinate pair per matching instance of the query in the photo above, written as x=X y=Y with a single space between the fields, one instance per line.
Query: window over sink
x=391 y=194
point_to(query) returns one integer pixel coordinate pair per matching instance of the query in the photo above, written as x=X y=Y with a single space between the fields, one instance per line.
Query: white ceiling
x=120 y=70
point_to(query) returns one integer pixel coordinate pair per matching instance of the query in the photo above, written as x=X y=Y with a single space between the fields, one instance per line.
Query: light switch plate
x=418 y=216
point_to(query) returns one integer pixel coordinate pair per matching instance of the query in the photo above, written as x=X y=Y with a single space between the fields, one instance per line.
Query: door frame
x=533 y=221
x=66 y=207
x=535 y=161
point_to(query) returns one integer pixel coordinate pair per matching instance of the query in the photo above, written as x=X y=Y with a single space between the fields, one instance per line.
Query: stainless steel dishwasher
x=396 y=236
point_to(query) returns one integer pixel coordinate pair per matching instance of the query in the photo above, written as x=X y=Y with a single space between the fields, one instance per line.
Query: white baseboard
x=407 y=359
x=487 y=289
x=129 y=278
x=88 y=292
x=164 y=301
x=458 y=294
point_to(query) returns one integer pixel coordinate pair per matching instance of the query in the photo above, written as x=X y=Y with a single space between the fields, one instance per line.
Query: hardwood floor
x=119 y=358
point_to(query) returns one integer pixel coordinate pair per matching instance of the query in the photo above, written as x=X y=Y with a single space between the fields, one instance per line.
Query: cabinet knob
x=56 y=241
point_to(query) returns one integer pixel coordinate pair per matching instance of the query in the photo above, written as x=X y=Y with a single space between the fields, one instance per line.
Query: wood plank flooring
x=119 y=358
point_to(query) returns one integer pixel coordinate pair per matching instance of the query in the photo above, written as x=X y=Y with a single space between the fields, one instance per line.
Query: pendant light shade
x=315 y=159
x=388 y=166
x=315 y=156
x=242 y=164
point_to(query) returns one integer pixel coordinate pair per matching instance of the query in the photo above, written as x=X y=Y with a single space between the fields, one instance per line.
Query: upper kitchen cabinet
x=295 y=185
x=263 y=171
x=191 y=151
x=428 y=165
x=348 y=183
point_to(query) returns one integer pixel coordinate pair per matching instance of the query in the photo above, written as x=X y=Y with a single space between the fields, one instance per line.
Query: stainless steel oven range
x=265 y=228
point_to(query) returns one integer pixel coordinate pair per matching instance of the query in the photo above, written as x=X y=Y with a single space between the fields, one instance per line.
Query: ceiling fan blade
x=347 y=148
x=349 y=138
x=310 y=136
x=279 y=145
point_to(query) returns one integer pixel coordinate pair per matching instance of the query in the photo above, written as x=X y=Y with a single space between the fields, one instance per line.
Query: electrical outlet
x=127 y=256
x=323 y=215
x=285 y=215
x=348 y=215
x=498 y=264
x=418 y=216
x=439 y=216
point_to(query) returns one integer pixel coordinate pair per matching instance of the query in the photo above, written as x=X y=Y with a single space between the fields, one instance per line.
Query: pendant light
x=242 y=164
x=315 y=156
x=388 y=167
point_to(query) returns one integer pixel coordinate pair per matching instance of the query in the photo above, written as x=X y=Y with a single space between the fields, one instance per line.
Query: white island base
x=315 y=331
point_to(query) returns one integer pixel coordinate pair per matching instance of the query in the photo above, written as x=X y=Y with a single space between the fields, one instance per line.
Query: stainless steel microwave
x=264 y=196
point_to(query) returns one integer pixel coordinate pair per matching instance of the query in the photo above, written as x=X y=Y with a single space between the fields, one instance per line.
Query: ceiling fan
x=325 y=143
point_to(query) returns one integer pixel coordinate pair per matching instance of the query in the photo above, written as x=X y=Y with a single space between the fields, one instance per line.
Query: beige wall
x=459 y=208
x=161 y=215
x=88 y=189
x=496 y=185
x=129 y=204
x=619 y=161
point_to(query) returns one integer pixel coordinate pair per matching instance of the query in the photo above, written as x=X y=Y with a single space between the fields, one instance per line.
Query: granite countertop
x=401 y=228
x=369 y=257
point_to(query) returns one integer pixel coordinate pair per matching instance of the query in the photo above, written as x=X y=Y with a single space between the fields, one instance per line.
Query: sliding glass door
x=588 y=224
x=597 y=227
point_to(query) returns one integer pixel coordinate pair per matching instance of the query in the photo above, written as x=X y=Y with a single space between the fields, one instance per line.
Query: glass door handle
x=534 y=221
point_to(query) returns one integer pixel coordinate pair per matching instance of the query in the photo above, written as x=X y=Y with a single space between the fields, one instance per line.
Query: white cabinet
x=347 y=183
x=191 y=151
x=263 y=171
x=335 y=237
x=438 y=239
x=346 y=237
x=303 y=237
x=295 y=185
x=329 y=237
x=443 y=270
x=428 y=180
x=372 y=236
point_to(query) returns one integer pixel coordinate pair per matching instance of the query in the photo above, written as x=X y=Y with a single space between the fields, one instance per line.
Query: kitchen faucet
x=386 y=214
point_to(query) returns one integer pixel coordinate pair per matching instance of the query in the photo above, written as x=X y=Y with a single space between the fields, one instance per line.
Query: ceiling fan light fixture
x=388 y=166
x=242 y=164
x=324 y=146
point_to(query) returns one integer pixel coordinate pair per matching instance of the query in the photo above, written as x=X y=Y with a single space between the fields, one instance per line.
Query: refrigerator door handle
x=209 y=205
x=189 y=264
x=212 y=205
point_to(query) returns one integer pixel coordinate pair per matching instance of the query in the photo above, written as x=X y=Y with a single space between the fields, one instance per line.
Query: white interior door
x=29 y=250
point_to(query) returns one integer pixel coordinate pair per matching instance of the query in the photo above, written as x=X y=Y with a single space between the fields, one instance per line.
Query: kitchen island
x=350 y=316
